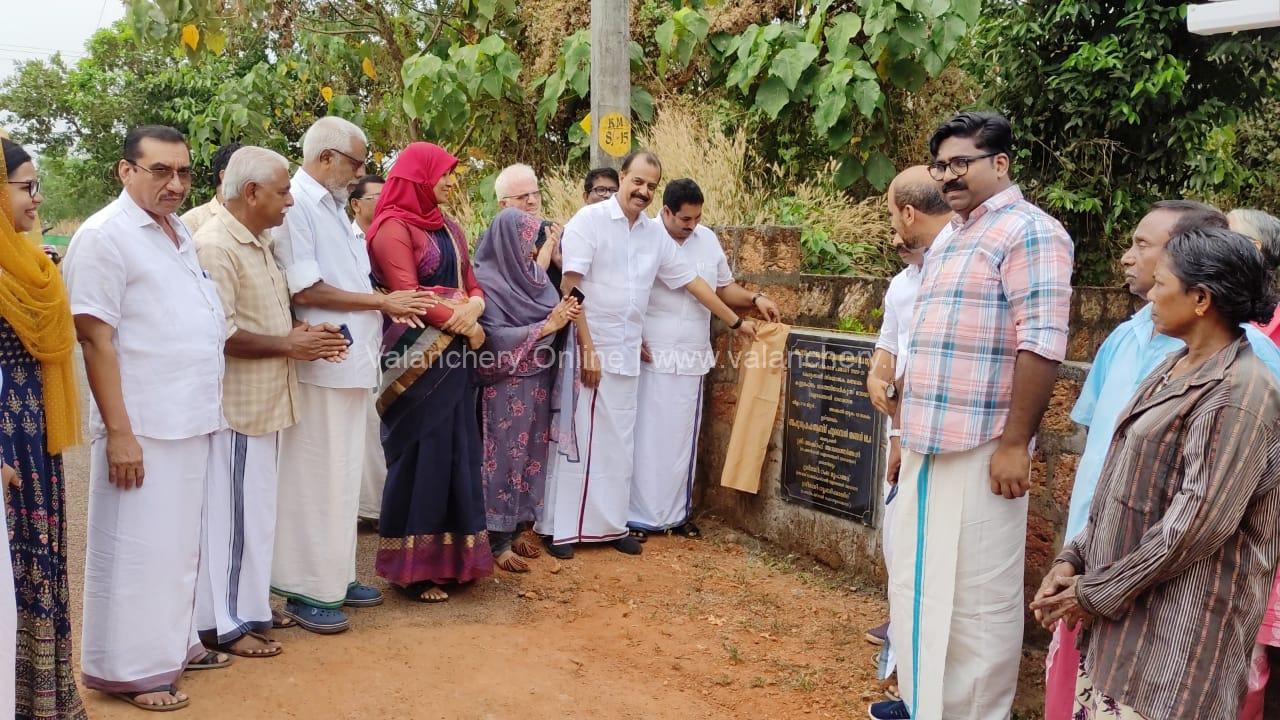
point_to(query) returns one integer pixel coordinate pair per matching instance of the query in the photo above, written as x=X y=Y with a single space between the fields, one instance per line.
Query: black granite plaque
x=831 y=433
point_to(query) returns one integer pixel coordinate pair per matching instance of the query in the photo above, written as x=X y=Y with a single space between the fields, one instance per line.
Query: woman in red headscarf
x=433 y=519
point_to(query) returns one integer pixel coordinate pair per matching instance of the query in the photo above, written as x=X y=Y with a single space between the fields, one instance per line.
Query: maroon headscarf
x=408 y=194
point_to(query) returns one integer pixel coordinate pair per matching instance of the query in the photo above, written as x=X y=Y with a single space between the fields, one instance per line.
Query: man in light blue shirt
x=1125 y=359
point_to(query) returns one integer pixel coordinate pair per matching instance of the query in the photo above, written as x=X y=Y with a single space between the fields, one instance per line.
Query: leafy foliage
x=1117 y=105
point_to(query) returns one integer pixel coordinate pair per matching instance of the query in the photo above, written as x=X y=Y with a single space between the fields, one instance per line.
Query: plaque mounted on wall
x=832 y=435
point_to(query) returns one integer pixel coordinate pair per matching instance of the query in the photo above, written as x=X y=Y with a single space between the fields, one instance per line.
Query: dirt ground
x=721 y=628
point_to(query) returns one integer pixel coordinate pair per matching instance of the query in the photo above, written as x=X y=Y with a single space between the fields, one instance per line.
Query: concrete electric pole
x=610 y=82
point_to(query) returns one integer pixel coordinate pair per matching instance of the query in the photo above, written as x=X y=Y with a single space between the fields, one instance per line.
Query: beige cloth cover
x=759 y=392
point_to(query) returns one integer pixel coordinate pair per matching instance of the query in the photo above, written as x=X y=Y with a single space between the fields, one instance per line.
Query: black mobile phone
x=346 y=333
x=576 y=294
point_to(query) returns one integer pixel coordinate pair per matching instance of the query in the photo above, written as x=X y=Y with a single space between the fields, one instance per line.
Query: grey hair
x=1260 y=227
x=250 y=164
x=502 y=184
x=329 y=133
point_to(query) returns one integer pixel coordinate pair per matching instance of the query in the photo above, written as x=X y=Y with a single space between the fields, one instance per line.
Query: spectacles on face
x=374 y=196
x=525 y=197
x=959 y=166
x=356 y=164
x=165 y=173
x=32 y=186
x=604 y=192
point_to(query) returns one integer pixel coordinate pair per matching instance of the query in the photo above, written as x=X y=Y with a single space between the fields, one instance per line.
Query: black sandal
x=210 y=661
x=688 y=530
x=132 y=699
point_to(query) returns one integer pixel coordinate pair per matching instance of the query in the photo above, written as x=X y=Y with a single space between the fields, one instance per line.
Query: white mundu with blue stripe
x=677 y=333
x=955 y=587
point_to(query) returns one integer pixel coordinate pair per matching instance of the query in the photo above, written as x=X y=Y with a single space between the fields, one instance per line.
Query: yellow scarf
x=34 y=302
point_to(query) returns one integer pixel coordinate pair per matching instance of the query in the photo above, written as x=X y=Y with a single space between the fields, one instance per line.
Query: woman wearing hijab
x=39 y=413
x=522 y=320
x=1172 y=571
x=432 y=522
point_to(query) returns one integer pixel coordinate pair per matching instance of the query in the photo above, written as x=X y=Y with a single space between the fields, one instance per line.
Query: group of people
x=1161 y=602
x=312 y=348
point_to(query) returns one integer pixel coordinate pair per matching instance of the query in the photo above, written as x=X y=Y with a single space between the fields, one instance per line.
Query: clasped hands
x=1057 y=598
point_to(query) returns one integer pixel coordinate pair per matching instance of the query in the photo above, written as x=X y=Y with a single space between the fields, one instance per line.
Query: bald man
x=919 y=216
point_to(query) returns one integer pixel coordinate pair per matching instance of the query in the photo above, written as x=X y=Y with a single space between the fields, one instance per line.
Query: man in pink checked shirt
x=990 y=328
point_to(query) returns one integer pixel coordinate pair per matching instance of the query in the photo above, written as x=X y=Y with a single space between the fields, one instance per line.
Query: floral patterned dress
x=45 y=682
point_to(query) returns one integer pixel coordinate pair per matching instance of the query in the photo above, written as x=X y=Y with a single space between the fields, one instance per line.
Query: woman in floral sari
x=432 y=524
x=522 y=320
x=39 y=416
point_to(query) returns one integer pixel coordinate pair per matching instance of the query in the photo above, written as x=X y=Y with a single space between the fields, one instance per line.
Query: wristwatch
x=755 y=298
x=895 y=433
x=891 y=391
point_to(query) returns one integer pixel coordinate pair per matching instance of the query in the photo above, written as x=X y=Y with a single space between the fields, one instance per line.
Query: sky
x=33 y=29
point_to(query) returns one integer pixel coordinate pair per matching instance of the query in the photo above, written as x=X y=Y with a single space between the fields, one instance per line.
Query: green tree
x=1116 y=105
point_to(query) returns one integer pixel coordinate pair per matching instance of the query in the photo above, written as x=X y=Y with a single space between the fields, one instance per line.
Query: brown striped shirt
x=1181 y=545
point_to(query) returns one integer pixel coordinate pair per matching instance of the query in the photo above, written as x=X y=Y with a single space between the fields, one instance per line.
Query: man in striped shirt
x=990 y=328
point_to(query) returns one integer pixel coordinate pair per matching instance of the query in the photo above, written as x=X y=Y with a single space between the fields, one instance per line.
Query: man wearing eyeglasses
x=152 y=329
x=989 y=330
x=321 y=458
x=600 y=185
x=517 y=187
x=364 y=200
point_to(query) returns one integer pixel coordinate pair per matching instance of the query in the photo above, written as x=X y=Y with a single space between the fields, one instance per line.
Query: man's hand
x=769 y=308
x=464 y=316
x=407 y=306
x=747 y=329
x=547 y=253
x=124 y=460
x=893 y=461
x=645 y=355
x=1057 y=599
x=590 y=368
x=1011 y=471
x=317 y=342
x=878 y=390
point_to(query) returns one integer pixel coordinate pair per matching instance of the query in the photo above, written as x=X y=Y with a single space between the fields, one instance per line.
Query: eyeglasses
x=958 y=166
x=32 y=186
x=604 y=192
x=165 y=173
x=525 y=197
x=356 y=163
x=374 y=196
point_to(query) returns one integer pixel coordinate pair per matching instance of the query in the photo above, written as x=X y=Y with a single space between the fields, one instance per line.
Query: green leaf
x=790 y=63
x=492 y=45
x=880 y=171
x=772 y=96
x=968 y=10
x=866 y=94
x=641 y=104
x=863 y=70
x=913 y=30
x=907 y=74
x=841 y=31
x=508 y=63
x=828 y=112
x=694 y=22
x=492 y=83
x=849 y=172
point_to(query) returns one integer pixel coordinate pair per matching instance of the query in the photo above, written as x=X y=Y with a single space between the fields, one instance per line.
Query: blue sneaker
x=325 y=621
x=362 y=596
x=889 y=710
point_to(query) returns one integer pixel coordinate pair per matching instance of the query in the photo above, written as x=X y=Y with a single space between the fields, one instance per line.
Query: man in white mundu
x=152 y=327
x=613 y=253
x=676 y=355
x=260 y=389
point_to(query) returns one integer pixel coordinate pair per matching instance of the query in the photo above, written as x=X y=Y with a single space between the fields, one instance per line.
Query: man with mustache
x=152 y=327
x=989 y=330
x=321 y=457
x=919 y=217
x=1124 y=360
x=613 y=253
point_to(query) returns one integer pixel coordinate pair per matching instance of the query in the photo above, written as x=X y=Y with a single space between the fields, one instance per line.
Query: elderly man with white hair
x=322 y=456
x=517 y=187
x=259 y=399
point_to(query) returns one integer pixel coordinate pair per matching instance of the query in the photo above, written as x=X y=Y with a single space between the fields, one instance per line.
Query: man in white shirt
x=675 y=355
x=364 y=200
x=321 y=458
x=151 y=326
x=613 y=253
x=919 y=216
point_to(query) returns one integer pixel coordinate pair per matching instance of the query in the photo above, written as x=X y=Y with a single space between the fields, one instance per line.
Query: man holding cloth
x=613 y=253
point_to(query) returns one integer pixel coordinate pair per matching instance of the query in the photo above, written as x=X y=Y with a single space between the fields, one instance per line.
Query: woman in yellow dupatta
x=39 y=418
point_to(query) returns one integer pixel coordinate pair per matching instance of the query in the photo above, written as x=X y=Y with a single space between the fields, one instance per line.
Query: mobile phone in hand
x=346 y=333
x=576 y=294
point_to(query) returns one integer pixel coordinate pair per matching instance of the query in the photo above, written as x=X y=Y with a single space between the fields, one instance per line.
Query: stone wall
x=771 y=259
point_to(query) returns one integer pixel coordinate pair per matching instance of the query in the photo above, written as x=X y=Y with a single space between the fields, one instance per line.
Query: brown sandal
x=511 y=562
x=273 y=648
x=526 y=547
x=132 y=699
